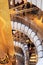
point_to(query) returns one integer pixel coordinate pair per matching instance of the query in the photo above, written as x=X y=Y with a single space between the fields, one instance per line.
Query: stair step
x=32 y=63
x=33 y=54
x=33 y=57
x=34 y=60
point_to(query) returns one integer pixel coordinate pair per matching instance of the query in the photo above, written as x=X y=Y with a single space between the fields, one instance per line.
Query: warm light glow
x=39 y=23
x=6 y=40
x=25 y=1
x=11 y=2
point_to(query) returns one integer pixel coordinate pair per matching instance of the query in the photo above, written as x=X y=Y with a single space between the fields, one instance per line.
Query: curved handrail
x=29 y=23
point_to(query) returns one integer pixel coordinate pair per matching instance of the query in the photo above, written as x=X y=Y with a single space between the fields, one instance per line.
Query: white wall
x=38 y=3
x=17 y=1
x=34 y=2
x=28 y=0
x=20 y=1
x=42 y=5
